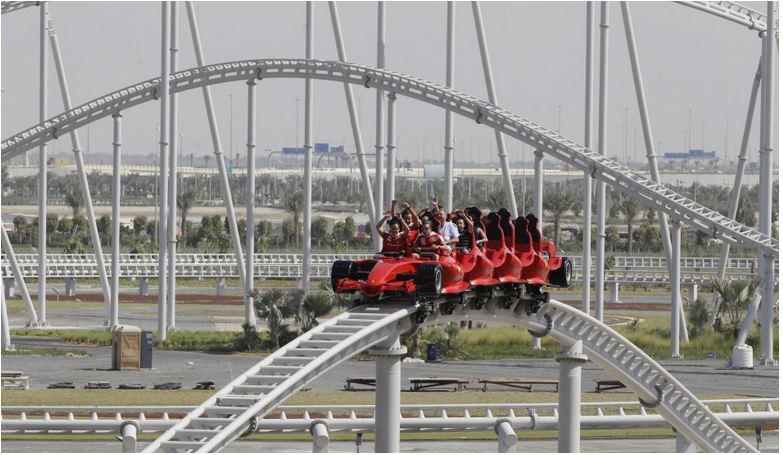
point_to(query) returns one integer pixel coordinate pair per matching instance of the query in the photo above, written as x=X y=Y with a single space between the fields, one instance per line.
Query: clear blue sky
x=690 y=60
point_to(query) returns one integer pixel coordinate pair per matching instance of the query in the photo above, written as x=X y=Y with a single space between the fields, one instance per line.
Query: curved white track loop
x=616 y=175
x=233 y=411
x=734 y=12
x=10 y=7
x=623 y=360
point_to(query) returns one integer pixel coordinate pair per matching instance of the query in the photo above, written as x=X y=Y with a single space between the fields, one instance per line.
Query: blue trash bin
x=432 y=353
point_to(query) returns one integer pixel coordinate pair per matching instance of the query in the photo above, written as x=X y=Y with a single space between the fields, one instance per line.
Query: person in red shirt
x=396 y=240
x=428 y=242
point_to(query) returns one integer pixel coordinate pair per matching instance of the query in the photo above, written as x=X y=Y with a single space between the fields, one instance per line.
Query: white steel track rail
x=734 y=12
x=346 y=419
x=10 y=7
x=621 y=178
x=235 y=410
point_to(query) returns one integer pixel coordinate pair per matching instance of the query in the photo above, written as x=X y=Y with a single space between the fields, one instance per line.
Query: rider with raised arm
x=396 y=240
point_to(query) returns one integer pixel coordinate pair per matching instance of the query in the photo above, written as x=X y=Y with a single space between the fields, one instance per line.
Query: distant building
x=696 y=154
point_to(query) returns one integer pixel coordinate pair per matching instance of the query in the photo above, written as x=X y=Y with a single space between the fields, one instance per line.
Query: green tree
x=558 y=199
x=293 y=203
x=699 y=315
x=140 y=224
x=185 y=202
x=313 y=307
x=104 y=228
x=629 y=207
x=344 y=230
x=21 y=226
x=733 y=300
x=74 y=199
x=52 y=221
x=79 y=225
x=319 y=229
x=274 y=306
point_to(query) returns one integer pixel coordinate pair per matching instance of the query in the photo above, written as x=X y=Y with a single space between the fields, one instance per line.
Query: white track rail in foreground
x=235 y=409
x=650 y=193
x=352 y=418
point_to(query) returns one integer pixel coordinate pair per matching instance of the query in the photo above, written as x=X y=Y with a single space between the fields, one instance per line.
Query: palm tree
x=629 y=207
x=275 y=306
x=313 y=307
x=293 y=203
x=74 y=199
x=185 y=202
x=733 y=300
x=206 y=160
x=557 y=201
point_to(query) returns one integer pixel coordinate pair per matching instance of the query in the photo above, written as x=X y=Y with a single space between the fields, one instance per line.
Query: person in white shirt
x=446 y=229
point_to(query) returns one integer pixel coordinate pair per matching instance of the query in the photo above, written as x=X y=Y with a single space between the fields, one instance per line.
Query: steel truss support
x=220 y=161
x=165 y=106
x=355 y=127
x=308 y=158
x=538 y=206
x=388 y=372
x=600 y=186
x=569 y=397
x=171 y=238
x=766 y=258
x=9 y=251
x=587 y=190
x=490 y=81
x=379 y=124
x=448 y=146
x=391 y=147
x=43 y=177
x=77 y=152
x=6 y=345
x=115 y=215
x=676 y=309
x=651 y=156
x=250 y=315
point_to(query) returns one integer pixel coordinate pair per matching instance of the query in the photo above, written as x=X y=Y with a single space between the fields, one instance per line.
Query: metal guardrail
x=651 y=270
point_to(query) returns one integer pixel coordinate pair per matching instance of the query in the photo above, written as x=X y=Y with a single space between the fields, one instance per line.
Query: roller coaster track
x=619 y=177
x=235 y=410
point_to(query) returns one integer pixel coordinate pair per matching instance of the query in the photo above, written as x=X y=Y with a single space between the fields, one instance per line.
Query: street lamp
x=296 y=140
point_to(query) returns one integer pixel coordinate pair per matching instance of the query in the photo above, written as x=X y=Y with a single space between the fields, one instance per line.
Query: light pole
x=689 y=131
x=231 y=144
x=179 y=162
x=296 y=140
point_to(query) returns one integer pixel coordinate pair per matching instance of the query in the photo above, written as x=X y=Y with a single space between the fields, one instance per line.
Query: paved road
x=769 y=444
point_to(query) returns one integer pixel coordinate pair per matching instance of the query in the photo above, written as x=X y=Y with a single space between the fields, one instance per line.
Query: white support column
x=6 y=325
x=507 y=437
x=675 y=279
x=693 y=292
x=388 y=372
x=355 y=127
x=250 y=315
x=600 y=186
x=220 y=286
x=43 y=184
x=490 y=81
x=683 y=445
x=766 y=260
x=391 y=147
x=614 y=292
x=70 y=287
x=79 y=159
x=220 y=161
x=129 y=430
x=448 y=184
x=307 y=184
x=587 y=190
x=17 y=273
x=569 y=397
x=379 y=124
x=165 y=70
x=171 y=245
x=144 y=286
x=538 y=206
x=114 y=312
x=319 y=429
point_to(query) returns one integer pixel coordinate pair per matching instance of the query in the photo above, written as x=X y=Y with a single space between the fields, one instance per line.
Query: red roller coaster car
x=512 y=258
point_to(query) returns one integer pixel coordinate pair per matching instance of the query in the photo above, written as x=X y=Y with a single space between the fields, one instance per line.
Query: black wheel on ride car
x=341 y=270
x=429 y=279
x=562 y=276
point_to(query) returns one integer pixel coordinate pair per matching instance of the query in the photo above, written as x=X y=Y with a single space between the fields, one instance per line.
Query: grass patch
x=45 y=352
